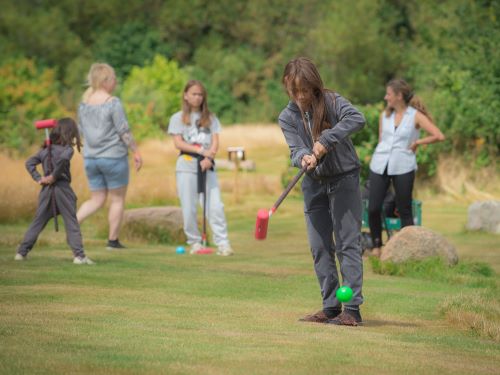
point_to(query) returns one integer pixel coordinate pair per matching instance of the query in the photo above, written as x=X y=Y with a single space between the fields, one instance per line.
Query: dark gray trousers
x=66 y=207
x=335 y=208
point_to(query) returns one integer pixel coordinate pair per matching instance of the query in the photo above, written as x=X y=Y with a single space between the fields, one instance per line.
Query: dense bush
x=152 y=94
x=27 y=93
x=449 y=51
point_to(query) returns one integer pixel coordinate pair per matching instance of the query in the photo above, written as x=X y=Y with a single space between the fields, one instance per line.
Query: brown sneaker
x=320 y=316
x=317 y=317
x=347 y=318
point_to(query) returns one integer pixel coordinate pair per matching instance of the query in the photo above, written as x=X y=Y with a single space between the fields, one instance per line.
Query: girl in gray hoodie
x=317 y=124
x=57 y=196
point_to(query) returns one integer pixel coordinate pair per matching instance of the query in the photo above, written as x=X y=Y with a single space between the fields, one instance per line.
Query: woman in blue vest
x=394 y=158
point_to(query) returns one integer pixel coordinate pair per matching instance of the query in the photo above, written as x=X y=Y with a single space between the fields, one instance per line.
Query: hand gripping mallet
x=49 y=124
x=263 y=214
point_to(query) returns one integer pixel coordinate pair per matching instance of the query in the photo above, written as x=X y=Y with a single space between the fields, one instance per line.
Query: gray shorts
x=107 y=173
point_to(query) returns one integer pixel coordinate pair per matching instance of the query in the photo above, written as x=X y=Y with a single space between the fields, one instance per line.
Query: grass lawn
x=148 y=310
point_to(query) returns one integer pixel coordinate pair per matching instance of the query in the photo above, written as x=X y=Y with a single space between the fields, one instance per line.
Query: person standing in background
x=56 y=197
x=195 y=131
x=106 y=139
x=394 y=159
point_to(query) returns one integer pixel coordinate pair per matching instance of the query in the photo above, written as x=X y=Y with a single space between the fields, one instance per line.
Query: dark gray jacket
x=344 y=120
x=60 y=168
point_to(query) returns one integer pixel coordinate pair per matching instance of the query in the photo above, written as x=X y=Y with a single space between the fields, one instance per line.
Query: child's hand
x=205 y=164
x=47 y=180
x=209 y=154
x=310 y=161
x=319 y=150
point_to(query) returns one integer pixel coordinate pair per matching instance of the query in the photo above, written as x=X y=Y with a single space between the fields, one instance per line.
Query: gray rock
x=484 y=216
x=154 y=224
x=418 y=243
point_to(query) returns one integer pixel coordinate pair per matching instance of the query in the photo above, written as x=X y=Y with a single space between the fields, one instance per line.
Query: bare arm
x=214 y=147
x=181 y=145
x=435 y=135
x=128 y=139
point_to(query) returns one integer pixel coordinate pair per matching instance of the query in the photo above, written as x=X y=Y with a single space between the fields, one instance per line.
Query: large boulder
x=484 y=216
x=418 y=243
x=154 y=224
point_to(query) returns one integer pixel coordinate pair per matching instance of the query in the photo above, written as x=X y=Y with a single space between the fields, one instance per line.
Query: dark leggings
x=403 y=187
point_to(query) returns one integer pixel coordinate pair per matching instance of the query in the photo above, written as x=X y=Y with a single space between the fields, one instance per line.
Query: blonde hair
x=401 y=86
x=99 y=74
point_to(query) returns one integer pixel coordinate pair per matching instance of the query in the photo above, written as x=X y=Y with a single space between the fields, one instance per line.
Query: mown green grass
x=148 y=310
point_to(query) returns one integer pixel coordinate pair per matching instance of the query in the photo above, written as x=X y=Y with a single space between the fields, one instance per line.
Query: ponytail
x=419 y=105
x=87 y=93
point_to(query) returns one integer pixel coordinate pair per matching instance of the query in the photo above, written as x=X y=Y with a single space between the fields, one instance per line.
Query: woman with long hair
x=317 y=124
x=394 y=159
x=195 y=131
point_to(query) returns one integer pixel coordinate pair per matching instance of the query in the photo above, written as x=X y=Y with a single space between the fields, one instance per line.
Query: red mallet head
x=261 y=224
x=46 y=124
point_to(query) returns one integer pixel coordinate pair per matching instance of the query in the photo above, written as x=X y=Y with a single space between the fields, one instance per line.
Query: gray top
x=344 y=120
x=192 y=134
x=102 y=126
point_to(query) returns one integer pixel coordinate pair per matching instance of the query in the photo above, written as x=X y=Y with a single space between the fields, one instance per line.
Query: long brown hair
x=302 y=72
x=401 y=86
x=205 y=118
x=66 y=133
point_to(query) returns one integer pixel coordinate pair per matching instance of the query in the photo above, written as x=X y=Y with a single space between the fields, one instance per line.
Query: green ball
x=344 y=294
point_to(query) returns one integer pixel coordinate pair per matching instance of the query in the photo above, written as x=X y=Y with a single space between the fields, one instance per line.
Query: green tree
x=358 y=47
x=152 y=94
x=129 y=45
x=456 y=69
x=27 y=93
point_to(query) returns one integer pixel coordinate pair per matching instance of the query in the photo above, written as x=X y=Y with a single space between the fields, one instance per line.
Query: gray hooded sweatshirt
x=344 y=119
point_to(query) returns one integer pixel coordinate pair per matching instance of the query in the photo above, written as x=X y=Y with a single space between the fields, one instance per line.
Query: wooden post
x=236 y=155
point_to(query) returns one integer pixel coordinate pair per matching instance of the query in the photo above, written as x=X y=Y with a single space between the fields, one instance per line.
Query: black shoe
x=114 y=244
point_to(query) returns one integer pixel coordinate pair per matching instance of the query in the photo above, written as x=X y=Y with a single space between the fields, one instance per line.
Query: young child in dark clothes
x=56 y=186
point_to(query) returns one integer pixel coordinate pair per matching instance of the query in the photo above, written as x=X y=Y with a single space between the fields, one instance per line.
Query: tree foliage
x=27 y=93
x=152 y=94
x=448 y=51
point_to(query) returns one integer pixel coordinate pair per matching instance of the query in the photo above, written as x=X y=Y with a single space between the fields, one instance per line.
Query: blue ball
x=180 y=250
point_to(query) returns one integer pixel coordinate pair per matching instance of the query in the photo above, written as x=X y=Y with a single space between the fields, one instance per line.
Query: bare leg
x=96 y=201
x=116 y=208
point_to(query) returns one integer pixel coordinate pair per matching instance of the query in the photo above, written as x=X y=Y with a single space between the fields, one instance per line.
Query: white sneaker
x=225 y=250
x=20 y=257
x=195 y=248
x=80 y=260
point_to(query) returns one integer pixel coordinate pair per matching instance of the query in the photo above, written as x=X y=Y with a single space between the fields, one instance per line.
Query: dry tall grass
x=155 y=183
x=467 y=183
x=478 y=313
